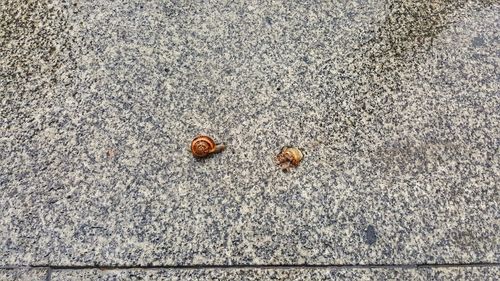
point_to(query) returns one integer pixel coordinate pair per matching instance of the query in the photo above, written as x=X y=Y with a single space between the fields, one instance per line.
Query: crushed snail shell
x=289 y=157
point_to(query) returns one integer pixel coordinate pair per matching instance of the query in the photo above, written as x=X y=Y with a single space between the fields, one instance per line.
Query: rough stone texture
x=396 y=105
x=436 y=274
x=23 y=274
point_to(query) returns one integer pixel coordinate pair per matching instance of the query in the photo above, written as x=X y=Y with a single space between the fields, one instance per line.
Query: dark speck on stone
x=269 y=21
x=370 y=235
x=478 y=41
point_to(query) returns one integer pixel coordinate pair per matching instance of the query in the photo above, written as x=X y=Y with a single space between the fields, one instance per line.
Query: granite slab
x=396 y=105
x=436 y=274
x=23 y=274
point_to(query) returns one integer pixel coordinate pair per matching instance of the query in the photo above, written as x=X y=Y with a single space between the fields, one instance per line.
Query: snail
x=203 y=146
x=289 y=157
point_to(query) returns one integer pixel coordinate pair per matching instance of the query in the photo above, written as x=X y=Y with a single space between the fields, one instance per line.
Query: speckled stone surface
x=396 y=105
x=23 y=274
x=436 y=274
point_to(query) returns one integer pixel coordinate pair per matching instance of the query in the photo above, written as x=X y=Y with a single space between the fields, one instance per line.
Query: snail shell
x=202 y=146
x=289 y=156
x=294 y=155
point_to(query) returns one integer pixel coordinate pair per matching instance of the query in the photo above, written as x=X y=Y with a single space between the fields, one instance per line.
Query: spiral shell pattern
x=202 y=146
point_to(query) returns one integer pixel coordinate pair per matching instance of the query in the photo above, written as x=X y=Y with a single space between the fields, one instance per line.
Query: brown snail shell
x=289 y=157
x=202 y=146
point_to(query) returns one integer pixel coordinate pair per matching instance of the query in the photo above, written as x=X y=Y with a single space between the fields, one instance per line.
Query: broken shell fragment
x=203 y=146
x=289 y=157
